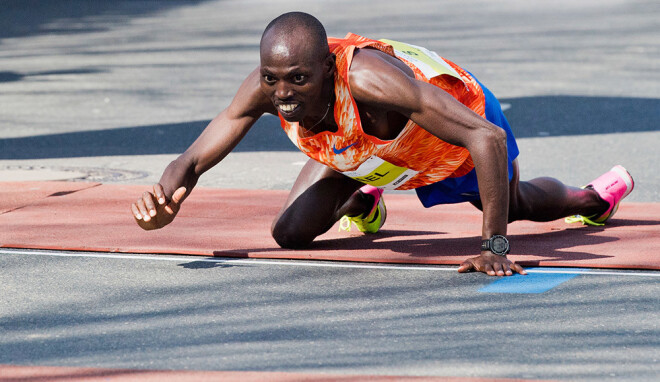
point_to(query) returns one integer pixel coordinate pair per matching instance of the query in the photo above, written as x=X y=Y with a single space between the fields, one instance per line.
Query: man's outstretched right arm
x=158 y=207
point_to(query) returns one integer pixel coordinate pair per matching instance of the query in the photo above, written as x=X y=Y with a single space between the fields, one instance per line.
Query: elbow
x=489 y=147
x=492 y=139
x=499 y=138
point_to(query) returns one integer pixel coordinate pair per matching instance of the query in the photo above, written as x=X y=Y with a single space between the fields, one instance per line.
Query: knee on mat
x=288 y=238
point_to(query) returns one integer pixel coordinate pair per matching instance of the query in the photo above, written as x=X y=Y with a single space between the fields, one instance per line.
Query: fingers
x=142 y=209
x=467 y=266
x=506 y=268
x=491 y=265
x=519 y=269
x=149 y=203
x=174 y=205
x=178 y=195
x=145 y=207
x=160 y=194
x=151 y=211
x=502 y=269
x=510 y=267
x=136 y=211
x=149 y=206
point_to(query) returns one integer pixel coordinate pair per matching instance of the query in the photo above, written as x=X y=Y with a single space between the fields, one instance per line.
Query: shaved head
x=297 y=68
x=295 y=29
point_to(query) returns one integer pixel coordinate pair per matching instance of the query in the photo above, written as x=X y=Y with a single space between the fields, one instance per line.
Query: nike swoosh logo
x=339 y=151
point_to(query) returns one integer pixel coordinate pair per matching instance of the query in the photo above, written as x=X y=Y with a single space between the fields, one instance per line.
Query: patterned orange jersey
x=415 y=157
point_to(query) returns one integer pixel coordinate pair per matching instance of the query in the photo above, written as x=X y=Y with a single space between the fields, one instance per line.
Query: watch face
x=499 y=245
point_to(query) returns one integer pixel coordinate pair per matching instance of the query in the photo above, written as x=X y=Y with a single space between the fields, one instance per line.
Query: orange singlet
x=415 y=157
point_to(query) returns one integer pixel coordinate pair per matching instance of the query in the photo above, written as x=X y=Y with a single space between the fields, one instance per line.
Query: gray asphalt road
x=189 y=313
x=112 y=91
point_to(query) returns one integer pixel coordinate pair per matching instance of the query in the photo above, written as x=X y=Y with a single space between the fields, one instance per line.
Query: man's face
x=292 y=76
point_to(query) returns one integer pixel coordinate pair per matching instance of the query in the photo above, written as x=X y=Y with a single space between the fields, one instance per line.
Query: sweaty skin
x=296 y=79
x=374 y=79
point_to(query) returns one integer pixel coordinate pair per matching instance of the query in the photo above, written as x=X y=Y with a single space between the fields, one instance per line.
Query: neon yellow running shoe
x=374 y=219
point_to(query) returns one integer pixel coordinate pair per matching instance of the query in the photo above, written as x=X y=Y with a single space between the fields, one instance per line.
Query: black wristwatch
x=497 y=244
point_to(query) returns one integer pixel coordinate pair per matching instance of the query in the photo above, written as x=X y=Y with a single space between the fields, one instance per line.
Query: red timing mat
x=19 y=194
x=11 y=373
x=236 y=223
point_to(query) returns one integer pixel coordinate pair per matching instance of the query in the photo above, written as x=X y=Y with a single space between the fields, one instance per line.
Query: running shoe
x=612 y=187
x=375 y=219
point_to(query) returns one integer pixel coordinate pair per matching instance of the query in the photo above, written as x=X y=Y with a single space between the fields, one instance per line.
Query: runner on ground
x=375 y=115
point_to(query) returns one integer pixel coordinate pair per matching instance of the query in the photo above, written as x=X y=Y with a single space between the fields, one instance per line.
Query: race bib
x=425 y=60
x=380 y=173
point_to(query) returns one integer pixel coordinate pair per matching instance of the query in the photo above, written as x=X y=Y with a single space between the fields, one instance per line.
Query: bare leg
x=319 y=198
x=546 y=199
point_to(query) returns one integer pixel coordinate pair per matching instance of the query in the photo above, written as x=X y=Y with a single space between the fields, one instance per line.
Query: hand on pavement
x=152 y=211
x=491 y=264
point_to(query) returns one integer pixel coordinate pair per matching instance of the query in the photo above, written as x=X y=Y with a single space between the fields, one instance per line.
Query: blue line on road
x=530 y=283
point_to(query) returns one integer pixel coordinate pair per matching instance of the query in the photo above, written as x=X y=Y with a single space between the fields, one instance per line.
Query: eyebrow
x=297 y=70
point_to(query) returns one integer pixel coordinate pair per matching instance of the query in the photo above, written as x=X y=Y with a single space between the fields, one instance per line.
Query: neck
x=310 y=129
x=309 y=124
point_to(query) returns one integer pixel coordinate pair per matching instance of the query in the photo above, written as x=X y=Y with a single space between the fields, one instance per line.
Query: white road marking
x=299 y=263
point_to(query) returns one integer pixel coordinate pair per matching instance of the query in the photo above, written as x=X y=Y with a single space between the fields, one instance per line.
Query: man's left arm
x=377 y=82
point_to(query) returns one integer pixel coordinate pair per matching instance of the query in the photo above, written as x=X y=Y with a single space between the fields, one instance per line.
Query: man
x=390 y=115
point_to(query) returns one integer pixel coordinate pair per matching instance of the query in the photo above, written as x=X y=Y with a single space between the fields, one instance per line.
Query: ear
x=329 y=65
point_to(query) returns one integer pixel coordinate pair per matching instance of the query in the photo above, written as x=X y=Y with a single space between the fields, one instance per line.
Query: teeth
x=288 y=107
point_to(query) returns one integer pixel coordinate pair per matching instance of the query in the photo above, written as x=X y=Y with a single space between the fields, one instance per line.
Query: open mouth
x=288 y=108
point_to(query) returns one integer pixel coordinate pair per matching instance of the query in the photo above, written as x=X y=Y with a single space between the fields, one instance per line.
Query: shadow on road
x=265 y=135
x=573 y=115
x=529 y=117
x=20 y=18
x=15 y=76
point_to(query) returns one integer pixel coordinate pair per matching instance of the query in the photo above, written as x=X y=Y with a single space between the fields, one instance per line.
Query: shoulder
x=376 y=77
x=367 y=61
